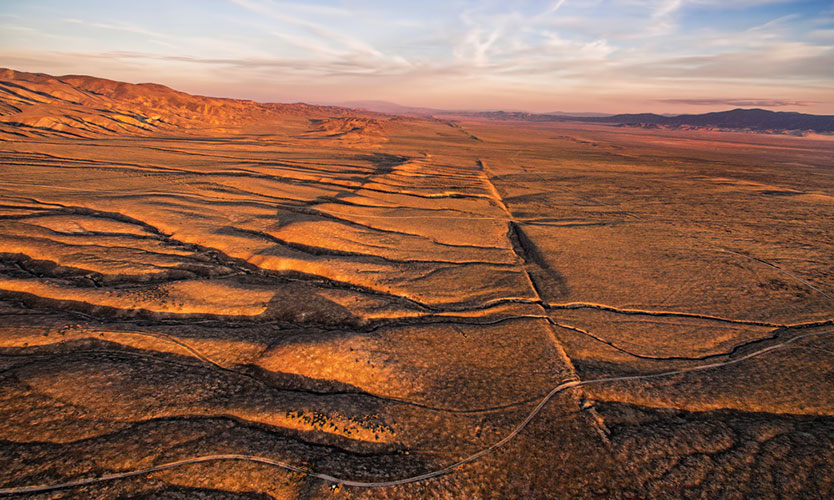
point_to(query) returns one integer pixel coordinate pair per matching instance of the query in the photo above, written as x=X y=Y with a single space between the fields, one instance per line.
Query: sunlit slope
x=40 y=105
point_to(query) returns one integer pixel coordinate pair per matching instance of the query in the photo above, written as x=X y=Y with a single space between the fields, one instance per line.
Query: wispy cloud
x=173 y=40
x=338 y=38
x=120 y=27
x=662 y=16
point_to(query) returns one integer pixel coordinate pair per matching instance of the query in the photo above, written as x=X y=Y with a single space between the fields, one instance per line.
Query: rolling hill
x=36 y=104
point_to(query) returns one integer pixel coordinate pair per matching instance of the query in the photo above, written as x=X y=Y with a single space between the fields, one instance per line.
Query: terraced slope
x=411 y=309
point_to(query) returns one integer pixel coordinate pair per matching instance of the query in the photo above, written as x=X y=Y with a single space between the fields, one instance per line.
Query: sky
x=666 y=56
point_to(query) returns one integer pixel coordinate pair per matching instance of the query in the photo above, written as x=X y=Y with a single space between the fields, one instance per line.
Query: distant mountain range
x=390 y=108
x=34 y=104
x=759 y=120
x=398 y=109
x=752 y=119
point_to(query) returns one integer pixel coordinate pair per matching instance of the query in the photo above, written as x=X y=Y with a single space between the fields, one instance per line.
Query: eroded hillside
x=39 y=105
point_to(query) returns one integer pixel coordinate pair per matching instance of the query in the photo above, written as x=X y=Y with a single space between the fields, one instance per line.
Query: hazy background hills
x=73 y=105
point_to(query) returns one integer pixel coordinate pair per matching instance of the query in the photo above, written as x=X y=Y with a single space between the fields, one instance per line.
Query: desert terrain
x=208 y=298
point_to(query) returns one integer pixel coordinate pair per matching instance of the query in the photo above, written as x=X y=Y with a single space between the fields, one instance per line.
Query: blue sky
x=570 y=55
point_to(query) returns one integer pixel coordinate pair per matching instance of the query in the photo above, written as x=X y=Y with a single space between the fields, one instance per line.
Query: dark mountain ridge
x=759 y=120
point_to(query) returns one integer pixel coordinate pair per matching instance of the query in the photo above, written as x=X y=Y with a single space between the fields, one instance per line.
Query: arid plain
x=290 y=301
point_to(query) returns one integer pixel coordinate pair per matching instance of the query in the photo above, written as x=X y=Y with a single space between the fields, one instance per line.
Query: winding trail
x=15 y=490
